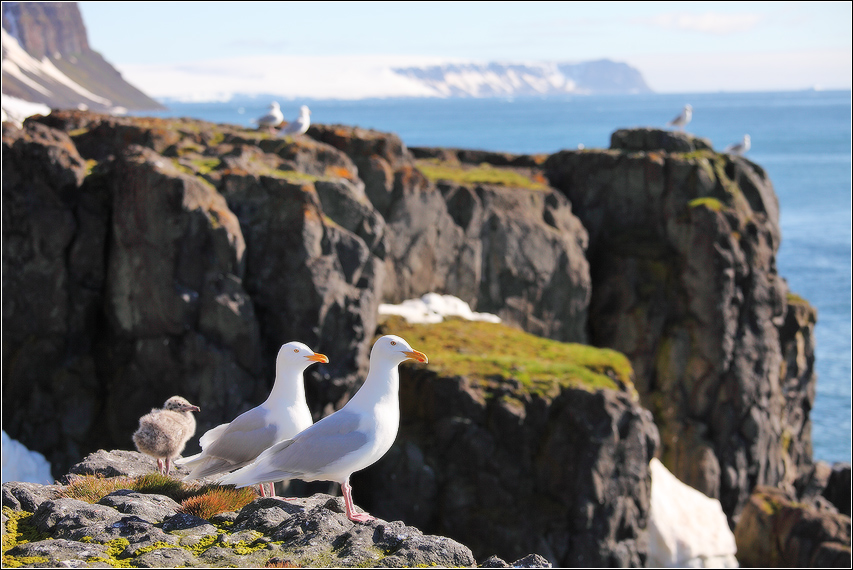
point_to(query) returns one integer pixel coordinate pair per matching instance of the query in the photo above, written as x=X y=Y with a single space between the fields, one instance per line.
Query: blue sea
x=801 y=138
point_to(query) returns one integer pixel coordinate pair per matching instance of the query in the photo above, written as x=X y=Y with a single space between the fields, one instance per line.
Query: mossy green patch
x=707 y=202
x=20 y=530
x=205 y=165
x=794 y=299
x=491 y=354
x=114 y=548
x=436 y=170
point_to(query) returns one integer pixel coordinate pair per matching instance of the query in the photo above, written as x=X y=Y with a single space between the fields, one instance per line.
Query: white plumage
x=349 y=440
x=739 y=148
x=282 y=415
x=271 y=119
x=299 y=125
x=682 y=119
x=163 y=433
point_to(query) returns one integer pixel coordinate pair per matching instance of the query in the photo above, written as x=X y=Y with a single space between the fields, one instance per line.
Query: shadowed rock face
x=682 y=257
x=178 y=255
x=572 y=464
x=512 y=251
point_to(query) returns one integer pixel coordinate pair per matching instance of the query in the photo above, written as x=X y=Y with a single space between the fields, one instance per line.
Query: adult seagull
x=299 y=125
x=346 y=441
x=739 y=148
x=271 y=119
x=681 y=120
x=283 y=415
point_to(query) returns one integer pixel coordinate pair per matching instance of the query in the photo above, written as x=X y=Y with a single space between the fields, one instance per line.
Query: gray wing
x=212 y=435
x=238 y=445
x=308 y=454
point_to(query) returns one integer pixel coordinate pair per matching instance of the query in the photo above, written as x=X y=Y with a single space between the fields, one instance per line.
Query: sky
x=679 y=47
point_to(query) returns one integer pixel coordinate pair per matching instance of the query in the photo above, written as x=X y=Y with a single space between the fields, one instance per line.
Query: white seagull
x=271 y=119
x=739 y=148
x=346 y=441
x=681 y=120
x=283 y=415
x=298 y=126
x=162 y=434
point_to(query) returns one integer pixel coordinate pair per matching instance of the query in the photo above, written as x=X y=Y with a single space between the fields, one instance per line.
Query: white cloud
x=746 y=71
x=710 y=22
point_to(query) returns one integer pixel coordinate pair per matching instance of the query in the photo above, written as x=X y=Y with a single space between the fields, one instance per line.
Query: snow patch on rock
x=434 y=308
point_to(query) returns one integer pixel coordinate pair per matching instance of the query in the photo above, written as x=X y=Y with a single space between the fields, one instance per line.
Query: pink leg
x=168 y=466
x=159 y=466
x=263 y=490
x=351 y=514
x=272 y=490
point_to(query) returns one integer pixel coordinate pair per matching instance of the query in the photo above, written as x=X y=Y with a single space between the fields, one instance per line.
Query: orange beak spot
x=415 y=355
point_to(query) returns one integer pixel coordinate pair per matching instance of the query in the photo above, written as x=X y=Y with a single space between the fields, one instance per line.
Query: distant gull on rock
x=739 y=148
x=681 y=120
x=298 y=126
x=162 y=434
x=283 y=415
x=346 y=441
x=272 y=119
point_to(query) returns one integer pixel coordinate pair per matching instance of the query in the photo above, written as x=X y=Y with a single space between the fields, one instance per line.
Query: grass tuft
x=214 y=499
x=203 y=501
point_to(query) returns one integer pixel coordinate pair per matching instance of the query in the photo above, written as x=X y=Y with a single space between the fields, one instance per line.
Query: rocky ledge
x=43 y=526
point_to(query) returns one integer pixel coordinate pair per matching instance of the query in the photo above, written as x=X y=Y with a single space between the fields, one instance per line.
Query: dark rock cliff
x=144 y=258
x=682 y=256
x=54 y=32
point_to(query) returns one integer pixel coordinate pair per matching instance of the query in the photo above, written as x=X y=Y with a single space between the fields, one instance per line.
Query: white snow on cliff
x=40 y=75
x=21 y=464
x=434 y=308
x=687 y=529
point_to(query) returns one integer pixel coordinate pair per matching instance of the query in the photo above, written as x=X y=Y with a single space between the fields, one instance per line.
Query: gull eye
x=393 y=343
x=296 y=350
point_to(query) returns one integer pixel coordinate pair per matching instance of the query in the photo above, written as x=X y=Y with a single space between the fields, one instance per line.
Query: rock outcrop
x=682 y=245
x=179 y=255
x=776 y=530
x=514 y=251
x=152 y=530
x=568 y=455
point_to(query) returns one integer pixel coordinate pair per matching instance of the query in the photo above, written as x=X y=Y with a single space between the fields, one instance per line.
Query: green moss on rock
x=436 y=170
x=707 y=202
x=495 y=355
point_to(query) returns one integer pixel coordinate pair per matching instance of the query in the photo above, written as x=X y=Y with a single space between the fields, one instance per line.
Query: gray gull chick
x=163 y=433
x=282 y=415
x=346 y=441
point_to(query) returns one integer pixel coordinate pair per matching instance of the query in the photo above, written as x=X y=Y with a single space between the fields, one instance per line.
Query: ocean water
x=802 y=139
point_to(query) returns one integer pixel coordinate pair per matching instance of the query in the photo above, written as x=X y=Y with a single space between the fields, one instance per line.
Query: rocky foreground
x=126 y=528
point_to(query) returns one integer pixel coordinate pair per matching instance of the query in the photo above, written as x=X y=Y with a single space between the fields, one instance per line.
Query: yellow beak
x=415 y=355
x=318 y=358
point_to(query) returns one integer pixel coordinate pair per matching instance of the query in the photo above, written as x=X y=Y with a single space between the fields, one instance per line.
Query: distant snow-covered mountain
x=513 y=79
x=47 y=60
